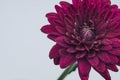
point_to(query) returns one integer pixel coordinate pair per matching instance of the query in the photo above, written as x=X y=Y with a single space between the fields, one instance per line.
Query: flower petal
x=116 y=42
x=107 y=2
x=115 y=52
x=56 y=61
x=84 y=69
x=101 y=67
x=69 y=21
x=114 y=59
x=60 y=29
x=94 y=61
x=48 y=29
x=80 y=55
x=113 y=34
x=71 y=50
x=54 y=52
x=84 y=77
x=106 y=48
x=58 y=8
x=105 y=74
x=108 y=58
x=102 y=27
x=106 y=42
x=67 y=60
x=63 y=52
x=51 y=15
x=112 y=67
x=76 y=3
x=61 y=41
x=104 y=57
x=52 y=37
x=80 y=48
x=91 y=55
x=118 y=61
x=64 y=4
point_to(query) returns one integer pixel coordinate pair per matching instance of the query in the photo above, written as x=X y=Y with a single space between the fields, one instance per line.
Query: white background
x=23 y=48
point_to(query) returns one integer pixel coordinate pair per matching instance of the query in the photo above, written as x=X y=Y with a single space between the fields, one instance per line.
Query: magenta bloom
x=86 y=32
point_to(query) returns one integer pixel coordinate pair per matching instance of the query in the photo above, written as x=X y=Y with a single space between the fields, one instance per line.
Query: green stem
x=68 y=71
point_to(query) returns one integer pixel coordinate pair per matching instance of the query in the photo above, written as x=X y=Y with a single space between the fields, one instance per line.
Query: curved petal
x=48 y=29
x=60 y=12
x=114 y=59
x=94 y=61
x=58 y=8
x=118 y=61
x=106 y=48
x=60 y=29
x=92 y=54
x=71 y=50
x=54 y=52
x=106 y=42
x=84 y=69
x=80 y=55
x=64 y=4
x=102 y=70
x=63 y=52
x=105 y=74
x=67 y=60
x=113 y=34
x=107 y=2
x=69 y=21
x=108 y=58
x=112 y=67
x=76 y=3
x=102 y=27
x=115 y=52
x=52 y=14
x=101 y=67
x=80 y=48
x=104 y=57
x=116 y=42
x=61 y=41
x=52 y=37
x=56 y=61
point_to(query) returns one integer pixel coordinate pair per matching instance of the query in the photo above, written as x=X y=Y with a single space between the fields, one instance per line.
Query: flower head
x=86 y=32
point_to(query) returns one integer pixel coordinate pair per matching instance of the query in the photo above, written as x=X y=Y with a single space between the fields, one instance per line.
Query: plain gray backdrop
x=23 y=48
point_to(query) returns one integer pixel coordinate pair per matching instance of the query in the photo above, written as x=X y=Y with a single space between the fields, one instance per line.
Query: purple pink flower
x=86 y=32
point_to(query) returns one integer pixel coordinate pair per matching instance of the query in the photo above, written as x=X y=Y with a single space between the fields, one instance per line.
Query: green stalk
x=67 y=71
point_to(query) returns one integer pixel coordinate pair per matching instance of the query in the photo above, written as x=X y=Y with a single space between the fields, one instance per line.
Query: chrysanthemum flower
x=86 y=32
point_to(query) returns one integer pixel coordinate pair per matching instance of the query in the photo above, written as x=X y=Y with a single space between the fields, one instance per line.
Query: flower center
x=87 y=33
